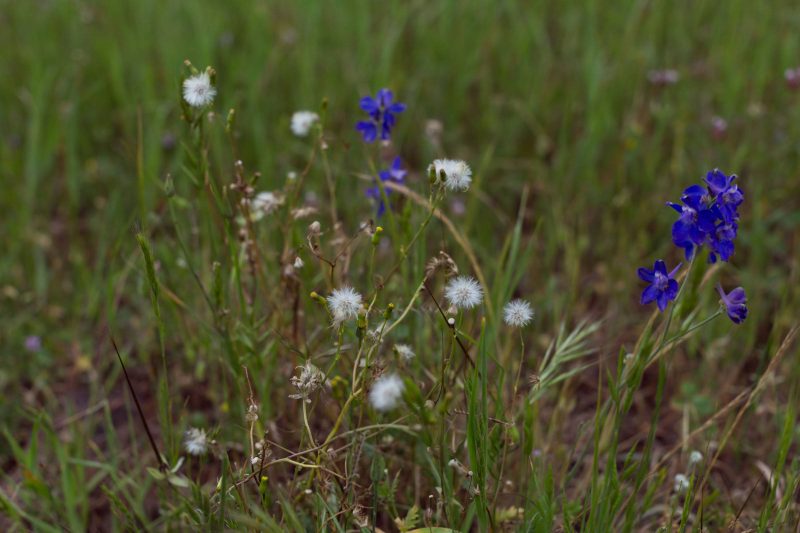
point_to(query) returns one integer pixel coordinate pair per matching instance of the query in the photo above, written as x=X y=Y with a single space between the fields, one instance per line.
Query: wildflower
x=695 y=457
x=696 y=220
x=308 y=381
x=33 y=343
x=382 y=110
x=719 y=126
x=195 y=441
x=728 y=196
x=298 y=263
x=344 y=304
x=302 y=122
x=386 y=391
x=708 y=216
x=456 y=174
x=405 y=351
x=735 y=303
x=681 y=484
x=517 y=313
x=663 y=287
x=394 y=174
x=463 y=292
x=198 y=90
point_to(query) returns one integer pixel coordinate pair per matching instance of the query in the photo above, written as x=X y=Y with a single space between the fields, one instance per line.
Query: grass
x=119 y=221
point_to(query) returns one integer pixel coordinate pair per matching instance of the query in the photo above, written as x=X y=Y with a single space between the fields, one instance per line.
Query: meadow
x=218 y=314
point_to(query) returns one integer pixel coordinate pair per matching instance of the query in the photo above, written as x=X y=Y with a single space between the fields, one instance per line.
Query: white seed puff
x=386 y=392
x=198 y=90
x=517 y=313
x=457 y=174
x=302 y=122
x=344 y=304
x=195 y=441
x=463 y=292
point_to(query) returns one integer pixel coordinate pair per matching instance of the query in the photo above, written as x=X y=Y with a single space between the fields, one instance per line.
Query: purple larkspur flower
x=394 y=174
x=735 y=303
x=708 y=216
x=696 y=219
x=663 y=288
x=382 y=110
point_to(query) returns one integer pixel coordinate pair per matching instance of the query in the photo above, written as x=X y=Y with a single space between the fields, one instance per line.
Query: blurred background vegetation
x=560 y=98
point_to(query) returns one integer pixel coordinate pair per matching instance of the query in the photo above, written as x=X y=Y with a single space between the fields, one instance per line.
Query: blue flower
x=696 y=220
x=735 y=303
x=382 y=110
x=394 y=174
x=720 y=241
x=708 y=216
x=663 y=286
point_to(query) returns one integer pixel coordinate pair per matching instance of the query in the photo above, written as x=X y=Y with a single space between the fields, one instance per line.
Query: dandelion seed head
x=264 y=203
x=695 y=457
x=681 y=484
x=463 y=292
x=344 y=304
x=404 y=351
x=517 y=313
x=195 y=441
x=198 y=91
x=302 y=122
x=386 y=392
x=457 y=174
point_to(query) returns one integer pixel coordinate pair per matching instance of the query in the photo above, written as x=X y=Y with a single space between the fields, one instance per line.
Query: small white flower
x=463 y=292
x=195 y=441
x=517 y=313
x=681 y=484
x=404 y=351
x=298 y=263
x=198 y=91
x=695 y=457
x=344 y=304
x=302 y=122
x=457 y=174
x=386 y=391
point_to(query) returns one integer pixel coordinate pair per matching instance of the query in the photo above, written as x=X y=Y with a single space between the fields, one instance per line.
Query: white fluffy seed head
x=517 y=313
x=681 y=484
x=344 y=304
x=405 y=351
x=302 y=122
x=463 y=292
x=195 y=441
x=198 y=91
x=457 y=174
x=386 y=392
x=265 y=203
x=695 y=457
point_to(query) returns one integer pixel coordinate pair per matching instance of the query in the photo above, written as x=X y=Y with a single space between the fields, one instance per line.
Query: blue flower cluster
x=382 y=110
x=709 y=216
x=394 y=174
